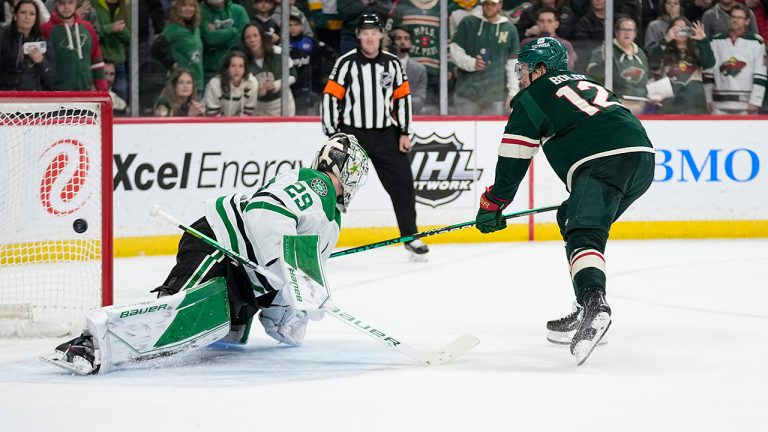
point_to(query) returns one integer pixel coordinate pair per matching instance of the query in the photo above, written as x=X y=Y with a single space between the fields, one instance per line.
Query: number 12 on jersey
x=600 y=100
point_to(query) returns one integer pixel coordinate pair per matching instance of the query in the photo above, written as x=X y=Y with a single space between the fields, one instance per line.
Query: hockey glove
x=489 y=217
x=284 y=324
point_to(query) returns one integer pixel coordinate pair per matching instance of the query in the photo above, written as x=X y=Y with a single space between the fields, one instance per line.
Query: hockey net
x=56 y=208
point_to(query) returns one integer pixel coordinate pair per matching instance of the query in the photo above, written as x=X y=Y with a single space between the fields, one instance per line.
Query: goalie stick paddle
x=432 y=232
x=444 y=355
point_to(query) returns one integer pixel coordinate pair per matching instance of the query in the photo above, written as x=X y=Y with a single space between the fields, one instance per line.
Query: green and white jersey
x=301 y=201
x=422 y=18
x=738 y=76
x=574 y=119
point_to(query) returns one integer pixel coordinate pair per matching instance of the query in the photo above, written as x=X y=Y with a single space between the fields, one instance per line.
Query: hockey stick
x=444 y=355
x=431 y=232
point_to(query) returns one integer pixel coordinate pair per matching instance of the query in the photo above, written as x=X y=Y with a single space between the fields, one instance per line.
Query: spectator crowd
x=224 y=57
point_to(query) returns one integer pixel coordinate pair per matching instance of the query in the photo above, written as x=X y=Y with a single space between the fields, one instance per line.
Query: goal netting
x=55 y=211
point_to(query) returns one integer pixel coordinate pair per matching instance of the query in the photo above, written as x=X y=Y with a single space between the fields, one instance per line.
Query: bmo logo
x=62 y=185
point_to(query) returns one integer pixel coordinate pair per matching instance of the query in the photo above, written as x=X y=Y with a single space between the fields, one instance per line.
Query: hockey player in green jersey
x=206 y=297
x=602 y=154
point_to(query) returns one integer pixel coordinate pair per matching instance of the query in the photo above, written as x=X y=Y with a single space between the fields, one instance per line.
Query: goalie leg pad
x=192 y=318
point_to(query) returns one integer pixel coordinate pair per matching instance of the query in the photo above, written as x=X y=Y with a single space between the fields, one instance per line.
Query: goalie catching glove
x=284 y=324
x=489 y=217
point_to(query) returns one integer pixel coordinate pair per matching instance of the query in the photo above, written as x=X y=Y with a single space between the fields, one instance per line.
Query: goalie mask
x=343 y=156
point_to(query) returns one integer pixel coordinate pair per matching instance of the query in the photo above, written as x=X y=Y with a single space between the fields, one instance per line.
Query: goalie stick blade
x=81 y=369
x=452 y=351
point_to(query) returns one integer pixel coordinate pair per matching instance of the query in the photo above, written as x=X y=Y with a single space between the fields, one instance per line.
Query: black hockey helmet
x=369 y=20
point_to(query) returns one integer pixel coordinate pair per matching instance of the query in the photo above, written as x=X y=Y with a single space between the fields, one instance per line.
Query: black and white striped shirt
x=367 y=94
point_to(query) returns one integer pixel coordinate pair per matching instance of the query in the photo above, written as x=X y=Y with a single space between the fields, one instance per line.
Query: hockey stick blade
x=452 y=351
x=444 y=355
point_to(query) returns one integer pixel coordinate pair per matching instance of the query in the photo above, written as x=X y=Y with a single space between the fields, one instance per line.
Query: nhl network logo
x=441 y=170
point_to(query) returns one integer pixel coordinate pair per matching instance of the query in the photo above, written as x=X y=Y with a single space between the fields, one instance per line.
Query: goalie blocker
x=199 y=315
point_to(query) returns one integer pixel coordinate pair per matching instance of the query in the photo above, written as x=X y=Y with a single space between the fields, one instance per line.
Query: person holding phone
x=25 y=62
x=657 y=29
x=682 y=56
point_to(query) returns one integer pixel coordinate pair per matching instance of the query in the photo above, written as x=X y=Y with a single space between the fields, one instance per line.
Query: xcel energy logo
x=64 y=178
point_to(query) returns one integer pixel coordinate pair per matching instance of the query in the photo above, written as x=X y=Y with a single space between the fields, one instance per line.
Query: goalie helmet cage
x=55 y=209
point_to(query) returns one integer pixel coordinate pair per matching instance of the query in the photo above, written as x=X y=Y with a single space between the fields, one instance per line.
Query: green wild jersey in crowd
x=301 y=201
x=574 y=119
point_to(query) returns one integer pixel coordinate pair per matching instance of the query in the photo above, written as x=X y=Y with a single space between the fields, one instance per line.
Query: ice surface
x=687 y=351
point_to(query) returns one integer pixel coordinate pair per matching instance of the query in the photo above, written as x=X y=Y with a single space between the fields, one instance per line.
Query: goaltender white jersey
x=301 y=201
x=738 y=77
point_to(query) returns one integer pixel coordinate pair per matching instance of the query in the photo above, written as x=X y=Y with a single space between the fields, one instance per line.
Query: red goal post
x=55 y=210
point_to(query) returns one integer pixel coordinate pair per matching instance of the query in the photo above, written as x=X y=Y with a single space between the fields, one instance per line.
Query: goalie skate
x=77 y=356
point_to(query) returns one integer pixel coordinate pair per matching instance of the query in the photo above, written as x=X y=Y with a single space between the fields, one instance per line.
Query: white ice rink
x=687 y=351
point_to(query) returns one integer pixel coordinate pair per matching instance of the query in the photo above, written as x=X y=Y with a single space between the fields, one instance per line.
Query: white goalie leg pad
x=193 y=318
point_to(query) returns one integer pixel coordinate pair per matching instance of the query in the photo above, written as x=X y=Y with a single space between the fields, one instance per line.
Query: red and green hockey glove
x=488 y=217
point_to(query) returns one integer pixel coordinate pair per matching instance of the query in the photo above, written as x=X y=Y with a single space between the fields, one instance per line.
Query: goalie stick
x=432 y=232
x=444 y=355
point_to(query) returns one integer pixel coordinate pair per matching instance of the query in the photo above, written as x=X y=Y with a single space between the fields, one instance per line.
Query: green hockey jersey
x=574 y=119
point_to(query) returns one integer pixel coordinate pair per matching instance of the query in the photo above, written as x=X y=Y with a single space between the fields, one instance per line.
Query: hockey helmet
x=343 y=156
x=545 y=50
x=369 y=20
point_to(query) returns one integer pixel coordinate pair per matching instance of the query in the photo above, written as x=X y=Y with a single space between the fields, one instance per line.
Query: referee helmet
x=369 y=20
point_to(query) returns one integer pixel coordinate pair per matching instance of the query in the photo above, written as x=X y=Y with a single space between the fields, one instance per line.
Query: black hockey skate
x=595 y=322
x=163 y=291
x=77 y=356
x=417 y=250
x=560 y=331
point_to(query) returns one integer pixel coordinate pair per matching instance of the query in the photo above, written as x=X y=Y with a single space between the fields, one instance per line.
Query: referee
x=368 y=96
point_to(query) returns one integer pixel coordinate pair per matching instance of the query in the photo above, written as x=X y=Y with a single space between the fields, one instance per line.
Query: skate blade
x=565 y=338
x=412 y=257
x=560 y=338
x=76 y=368
x=584 y=349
